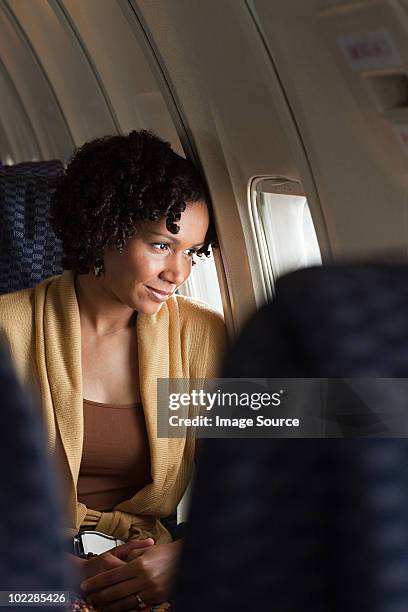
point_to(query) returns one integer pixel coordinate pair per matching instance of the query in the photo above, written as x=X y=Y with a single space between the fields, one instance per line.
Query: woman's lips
x=158 y=296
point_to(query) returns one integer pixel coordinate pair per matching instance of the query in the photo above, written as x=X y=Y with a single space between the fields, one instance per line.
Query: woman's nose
x=177 y=270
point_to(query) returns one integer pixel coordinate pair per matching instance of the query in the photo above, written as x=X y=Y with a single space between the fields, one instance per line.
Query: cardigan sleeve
x=17 y=331
x=205 y=332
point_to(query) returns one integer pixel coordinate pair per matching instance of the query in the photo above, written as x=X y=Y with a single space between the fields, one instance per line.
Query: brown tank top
x=116 y=457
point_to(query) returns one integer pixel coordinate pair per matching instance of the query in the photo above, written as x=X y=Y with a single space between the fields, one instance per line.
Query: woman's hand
x=149 y=573
x=82 y=569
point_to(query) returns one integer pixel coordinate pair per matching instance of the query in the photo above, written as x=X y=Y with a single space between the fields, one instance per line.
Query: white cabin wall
x=30 y=114
x=5 y=146
x=74 y=71
x=18 y=137
x=72 y=78
x=112 y=46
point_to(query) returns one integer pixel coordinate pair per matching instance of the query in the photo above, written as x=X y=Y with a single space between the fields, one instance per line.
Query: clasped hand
x=115 y=578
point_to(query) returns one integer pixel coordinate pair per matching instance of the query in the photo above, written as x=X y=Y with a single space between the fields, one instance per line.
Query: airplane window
x=284 y=228
x=202 y=283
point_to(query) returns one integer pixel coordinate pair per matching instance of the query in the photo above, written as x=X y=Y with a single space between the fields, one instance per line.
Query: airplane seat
x=29 y=248
x=315 y=525
x=331 y=321
x=32 y=546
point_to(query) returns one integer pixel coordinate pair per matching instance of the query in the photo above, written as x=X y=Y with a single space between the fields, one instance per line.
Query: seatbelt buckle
x=89 y=543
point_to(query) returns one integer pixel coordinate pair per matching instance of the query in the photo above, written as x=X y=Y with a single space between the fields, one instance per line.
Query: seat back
x=29 y=248
x=32 y=556
x=304 y=524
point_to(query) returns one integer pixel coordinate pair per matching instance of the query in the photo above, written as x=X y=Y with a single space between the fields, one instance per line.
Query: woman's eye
x=160 y=246
x=191 y=252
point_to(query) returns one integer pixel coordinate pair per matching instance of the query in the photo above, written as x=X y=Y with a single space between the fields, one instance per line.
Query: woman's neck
x=100 y=311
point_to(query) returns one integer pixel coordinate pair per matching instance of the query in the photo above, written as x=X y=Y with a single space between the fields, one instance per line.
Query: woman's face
x=155 y=262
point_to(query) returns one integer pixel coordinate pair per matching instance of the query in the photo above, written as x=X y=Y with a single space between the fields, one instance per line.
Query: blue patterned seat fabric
x=29 y=249
x=32 y=556
x=307 y=525
x=333 y=321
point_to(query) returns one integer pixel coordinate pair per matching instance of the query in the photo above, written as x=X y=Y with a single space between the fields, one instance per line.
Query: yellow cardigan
x=185 y=339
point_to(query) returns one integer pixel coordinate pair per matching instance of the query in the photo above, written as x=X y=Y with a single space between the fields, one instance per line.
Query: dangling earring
x=119 y=246
x=99 y=268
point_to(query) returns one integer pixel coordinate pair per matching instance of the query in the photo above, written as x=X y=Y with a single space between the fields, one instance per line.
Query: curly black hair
x=113 y=183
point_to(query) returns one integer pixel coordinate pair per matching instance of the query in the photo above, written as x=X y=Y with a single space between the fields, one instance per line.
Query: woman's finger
x=122 y=551
x=115 y=594
x=108 y=578
x=127 y=604
x=134 y=554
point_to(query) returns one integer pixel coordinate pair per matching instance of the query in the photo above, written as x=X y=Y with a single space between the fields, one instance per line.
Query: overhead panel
x=30 y=113
x=369 y=44
x=66 y=67
x=344 y=69
x=111 y=42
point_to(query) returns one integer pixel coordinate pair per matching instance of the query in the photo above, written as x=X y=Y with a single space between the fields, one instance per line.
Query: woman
x=132 y=216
